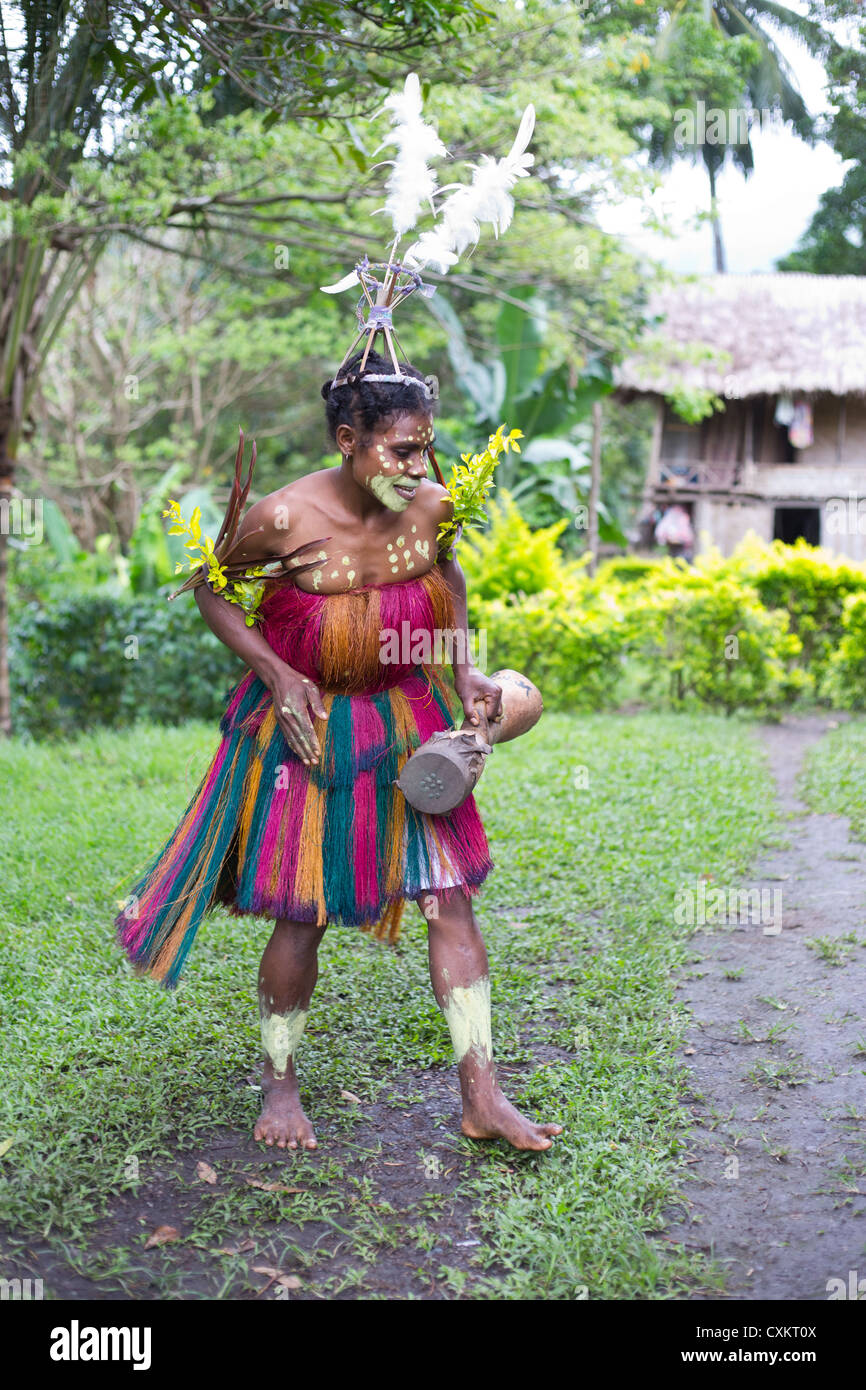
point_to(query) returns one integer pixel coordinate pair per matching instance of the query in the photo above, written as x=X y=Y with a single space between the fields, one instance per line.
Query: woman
x=298 y=817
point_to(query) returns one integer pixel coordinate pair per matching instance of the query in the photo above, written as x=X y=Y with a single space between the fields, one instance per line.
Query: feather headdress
x=487 y=199
x=410 y=186
x=411 y=183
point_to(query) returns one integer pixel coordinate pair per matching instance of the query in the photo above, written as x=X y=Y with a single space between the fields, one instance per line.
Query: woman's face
x=394 y=462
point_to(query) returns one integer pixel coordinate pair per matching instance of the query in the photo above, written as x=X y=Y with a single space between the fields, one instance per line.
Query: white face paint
x=281 y=1034
x=467 y=1013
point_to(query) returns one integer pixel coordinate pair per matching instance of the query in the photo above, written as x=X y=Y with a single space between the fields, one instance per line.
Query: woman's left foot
x=494 y=1117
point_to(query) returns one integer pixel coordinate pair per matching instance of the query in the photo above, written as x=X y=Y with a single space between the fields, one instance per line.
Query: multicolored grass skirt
x=267 y=835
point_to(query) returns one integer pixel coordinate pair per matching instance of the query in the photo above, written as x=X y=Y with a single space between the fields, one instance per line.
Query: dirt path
x=778 y=1157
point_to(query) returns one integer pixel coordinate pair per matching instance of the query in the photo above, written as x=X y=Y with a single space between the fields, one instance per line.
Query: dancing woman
x=298 y=817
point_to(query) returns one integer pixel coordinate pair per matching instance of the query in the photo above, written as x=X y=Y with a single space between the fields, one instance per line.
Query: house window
x=790 y=523
x=680 y=442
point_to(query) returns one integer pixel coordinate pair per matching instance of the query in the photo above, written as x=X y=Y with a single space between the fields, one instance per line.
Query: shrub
x=509 y=559
x=845 y=681
x=98 y=658
x=709 y=640
x=626 y=569
x=810 y=584
x=572 y=648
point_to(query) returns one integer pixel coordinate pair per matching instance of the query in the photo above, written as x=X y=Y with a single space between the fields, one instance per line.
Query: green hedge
x=754 y=630
x=99 y=658
x=845 y=681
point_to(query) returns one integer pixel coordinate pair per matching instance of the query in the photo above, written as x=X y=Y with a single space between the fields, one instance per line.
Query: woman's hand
x=296 y=700
x=471 y=685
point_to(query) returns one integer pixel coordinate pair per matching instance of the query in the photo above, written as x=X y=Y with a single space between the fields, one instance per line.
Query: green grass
x=834 y=950
x=102 y=1072
x=833 y=780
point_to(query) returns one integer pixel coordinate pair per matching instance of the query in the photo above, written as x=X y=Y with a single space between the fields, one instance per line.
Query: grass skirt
x=265 y=834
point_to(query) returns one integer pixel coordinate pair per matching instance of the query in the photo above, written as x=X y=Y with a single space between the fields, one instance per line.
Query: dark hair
x=363 y=404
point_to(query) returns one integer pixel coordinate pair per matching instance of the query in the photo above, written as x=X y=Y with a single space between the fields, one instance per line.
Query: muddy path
x=777 y=1055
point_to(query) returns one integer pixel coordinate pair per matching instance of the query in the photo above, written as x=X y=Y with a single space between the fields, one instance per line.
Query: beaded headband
x=430 y=384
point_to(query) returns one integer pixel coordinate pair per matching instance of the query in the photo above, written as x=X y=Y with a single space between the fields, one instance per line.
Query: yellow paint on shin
x=467 y=1013
x=281 y=1034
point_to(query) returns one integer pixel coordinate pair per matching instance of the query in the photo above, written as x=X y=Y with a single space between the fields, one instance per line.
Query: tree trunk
x=718 y=244
x=594 y=487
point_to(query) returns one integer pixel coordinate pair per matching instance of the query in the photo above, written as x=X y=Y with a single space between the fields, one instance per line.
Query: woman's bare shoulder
x=269 y=523
x=435 y=500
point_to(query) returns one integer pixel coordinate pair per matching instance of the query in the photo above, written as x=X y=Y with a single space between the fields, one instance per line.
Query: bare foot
x=282 y=1121
x=491 y=1116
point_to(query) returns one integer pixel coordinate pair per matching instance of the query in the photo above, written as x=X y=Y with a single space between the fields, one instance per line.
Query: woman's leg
x=287 y=978
x=459 y=973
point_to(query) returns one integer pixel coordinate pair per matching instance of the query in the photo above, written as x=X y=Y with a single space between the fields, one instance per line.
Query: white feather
x=486 y=199
x=344 y=284
x=411 y=183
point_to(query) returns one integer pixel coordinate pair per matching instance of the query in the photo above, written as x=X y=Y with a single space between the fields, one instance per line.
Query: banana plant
x=548 y=406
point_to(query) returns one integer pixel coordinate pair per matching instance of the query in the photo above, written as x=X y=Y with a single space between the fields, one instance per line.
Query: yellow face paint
x=281 y=1034
x=467 y=1013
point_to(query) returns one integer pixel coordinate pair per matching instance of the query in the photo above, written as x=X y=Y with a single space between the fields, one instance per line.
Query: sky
x=763 y=217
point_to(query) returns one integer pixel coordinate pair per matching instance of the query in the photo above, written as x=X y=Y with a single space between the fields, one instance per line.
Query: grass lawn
x=115 y=1091
x=834 y=779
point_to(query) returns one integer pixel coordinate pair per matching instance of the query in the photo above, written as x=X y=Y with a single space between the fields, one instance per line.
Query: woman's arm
x=294 y=696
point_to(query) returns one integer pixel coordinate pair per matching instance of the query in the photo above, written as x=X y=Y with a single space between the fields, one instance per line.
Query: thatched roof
x=798 y=333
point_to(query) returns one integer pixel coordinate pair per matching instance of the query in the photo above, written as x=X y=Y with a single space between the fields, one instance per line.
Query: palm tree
x=724 y=54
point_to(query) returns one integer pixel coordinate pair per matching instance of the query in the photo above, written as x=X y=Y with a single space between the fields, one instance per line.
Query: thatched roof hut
x=771 y=334
x=787 y=356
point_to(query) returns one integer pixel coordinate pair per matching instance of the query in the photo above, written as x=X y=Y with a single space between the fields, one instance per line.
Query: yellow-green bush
x=845 y=681
x=809 y=583
x=509 y=558
x=710 y=640
x=753 y=630
x=568 y=642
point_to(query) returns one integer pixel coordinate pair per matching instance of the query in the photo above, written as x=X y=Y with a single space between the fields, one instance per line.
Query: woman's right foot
x=490 y=1116
x=282 y=1121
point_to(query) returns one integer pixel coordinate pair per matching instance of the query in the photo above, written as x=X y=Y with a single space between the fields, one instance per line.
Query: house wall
x=854 y=446
x=839 y=429
x=845 y=534
x=824 y=451
x=830 y=475
x=724 y=524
